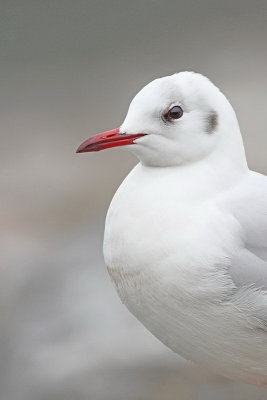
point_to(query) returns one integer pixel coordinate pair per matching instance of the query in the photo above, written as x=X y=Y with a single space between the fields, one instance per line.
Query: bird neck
x=201 y=179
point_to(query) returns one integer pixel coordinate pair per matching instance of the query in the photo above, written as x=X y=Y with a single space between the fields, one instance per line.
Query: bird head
x=174 y=120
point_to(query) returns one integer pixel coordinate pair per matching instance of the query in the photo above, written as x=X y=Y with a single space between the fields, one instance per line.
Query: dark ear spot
x=212 y=122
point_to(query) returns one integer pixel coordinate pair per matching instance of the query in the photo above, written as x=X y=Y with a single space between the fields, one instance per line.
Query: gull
x=186 y=233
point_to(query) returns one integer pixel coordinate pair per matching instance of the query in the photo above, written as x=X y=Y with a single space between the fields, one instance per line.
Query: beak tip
x=81 y=149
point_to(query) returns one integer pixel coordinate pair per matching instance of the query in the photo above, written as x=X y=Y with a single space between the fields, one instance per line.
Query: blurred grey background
x=68 y=69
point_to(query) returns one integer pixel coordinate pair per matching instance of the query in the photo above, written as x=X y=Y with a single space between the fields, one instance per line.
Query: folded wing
x=249 y=265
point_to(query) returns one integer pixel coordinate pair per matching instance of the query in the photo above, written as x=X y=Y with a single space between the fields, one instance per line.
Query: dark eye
x=175 y=112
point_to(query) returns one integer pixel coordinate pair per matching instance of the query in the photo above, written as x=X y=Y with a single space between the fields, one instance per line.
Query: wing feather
x=249 y=205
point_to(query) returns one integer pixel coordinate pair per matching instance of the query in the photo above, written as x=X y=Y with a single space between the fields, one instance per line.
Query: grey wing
x=249 y=265
x=248 y=269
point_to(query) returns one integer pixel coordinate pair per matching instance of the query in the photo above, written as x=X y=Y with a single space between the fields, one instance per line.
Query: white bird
x=186 y=233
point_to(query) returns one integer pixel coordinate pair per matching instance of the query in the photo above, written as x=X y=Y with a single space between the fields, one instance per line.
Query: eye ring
x=173 y=113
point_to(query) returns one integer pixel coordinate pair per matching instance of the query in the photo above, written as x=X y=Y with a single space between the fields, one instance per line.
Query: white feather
x=185 y=238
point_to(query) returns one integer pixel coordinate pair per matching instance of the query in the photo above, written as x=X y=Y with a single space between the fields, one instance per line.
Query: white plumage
x=186 y=233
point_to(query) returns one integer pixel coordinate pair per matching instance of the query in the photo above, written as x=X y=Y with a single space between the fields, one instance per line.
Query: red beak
x=107 y=139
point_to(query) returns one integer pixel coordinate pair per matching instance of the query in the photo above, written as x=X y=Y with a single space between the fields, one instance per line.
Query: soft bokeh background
x=68 y=69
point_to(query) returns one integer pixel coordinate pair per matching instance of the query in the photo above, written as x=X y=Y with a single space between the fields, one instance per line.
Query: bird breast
x=150 y=230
